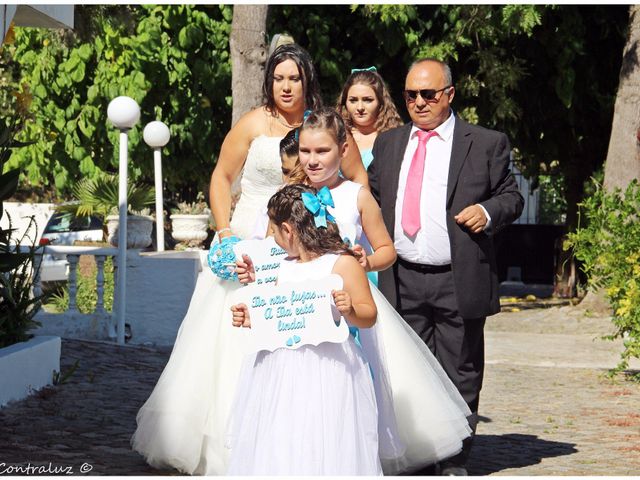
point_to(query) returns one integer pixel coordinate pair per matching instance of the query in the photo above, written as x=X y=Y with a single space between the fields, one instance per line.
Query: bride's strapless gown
x=183 y=423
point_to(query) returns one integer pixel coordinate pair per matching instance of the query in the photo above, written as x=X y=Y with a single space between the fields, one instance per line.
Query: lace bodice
x=261 y=177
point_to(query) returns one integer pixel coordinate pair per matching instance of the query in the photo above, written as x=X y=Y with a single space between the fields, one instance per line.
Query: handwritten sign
x=294 y=314
x=266 y=256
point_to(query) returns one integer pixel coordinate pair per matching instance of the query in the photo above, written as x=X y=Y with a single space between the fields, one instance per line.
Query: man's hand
x=245 y=270
x=473 y=218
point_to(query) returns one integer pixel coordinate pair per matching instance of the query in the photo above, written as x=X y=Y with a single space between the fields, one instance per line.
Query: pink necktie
x=411 y=203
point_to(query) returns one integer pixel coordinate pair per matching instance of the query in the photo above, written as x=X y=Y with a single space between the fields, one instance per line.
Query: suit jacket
x=478 y=173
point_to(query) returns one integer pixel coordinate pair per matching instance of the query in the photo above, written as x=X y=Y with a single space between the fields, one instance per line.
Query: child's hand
x=240 y=316
x=245 y=270
x=361 y=256
x=343 y=302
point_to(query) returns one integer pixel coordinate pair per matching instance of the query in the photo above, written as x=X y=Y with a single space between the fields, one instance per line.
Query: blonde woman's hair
x=388 y=116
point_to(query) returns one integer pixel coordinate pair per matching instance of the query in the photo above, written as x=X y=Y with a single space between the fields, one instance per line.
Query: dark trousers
x=427 y=302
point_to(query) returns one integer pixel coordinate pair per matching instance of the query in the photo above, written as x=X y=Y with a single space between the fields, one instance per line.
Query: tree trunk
x=247 y=44
x=248 y=56
x=623 y=158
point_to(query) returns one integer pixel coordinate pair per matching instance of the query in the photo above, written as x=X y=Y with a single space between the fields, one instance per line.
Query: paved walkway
x=546 y=407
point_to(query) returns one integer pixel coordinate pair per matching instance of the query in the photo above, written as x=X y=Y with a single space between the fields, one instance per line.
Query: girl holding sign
x=310 y=410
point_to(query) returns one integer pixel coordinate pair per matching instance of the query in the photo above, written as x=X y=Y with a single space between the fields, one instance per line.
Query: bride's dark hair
x=286 y=206
x=302 y=59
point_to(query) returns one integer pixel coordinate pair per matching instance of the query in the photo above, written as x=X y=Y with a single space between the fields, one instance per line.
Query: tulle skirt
x=310 y=411
x=183 y=423
x=431 y=414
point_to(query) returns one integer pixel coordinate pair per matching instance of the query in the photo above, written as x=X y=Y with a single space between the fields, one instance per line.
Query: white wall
x=20 y=217
x=28 y=366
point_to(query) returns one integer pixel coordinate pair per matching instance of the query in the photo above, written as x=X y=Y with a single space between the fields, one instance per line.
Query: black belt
x=423 y=268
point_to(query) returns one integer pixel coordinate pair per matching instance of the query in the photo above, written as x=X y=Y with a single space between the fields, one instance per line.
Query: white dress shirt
x=431 y=244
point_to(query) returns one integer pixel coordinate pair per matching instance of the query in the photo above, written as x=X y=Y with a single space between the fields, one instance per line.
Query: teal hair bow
x=369 y=69
x=317 y=204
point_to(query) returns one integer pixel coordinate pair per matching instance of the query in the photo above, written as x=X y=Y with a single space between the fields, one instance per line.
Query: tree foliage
x=173 y=60
x=608 y=245
x=545 y=75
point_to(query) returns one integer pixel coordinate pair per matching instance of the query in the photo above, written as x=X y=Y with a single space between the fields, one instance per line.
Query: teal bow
x=370 y=69
x=317 y=204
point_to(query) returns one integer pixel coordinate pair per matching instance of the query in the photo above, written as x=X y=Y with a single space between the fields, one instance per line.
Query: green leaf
x=77 y=75
x=92 y=93
x=85 y=51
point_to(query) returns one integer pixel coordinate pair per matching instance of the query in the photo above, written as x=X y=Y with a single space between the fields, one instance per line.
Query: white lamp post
x=156 y=135
x=124 y=113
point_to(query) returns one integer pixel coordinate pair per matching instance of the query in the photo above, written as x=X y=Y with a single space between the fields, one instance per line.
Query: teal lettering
x=294 y=325
x=302 y=296
x=308 y=308
x=258 y=302
x=277 y=300
x=283 y=312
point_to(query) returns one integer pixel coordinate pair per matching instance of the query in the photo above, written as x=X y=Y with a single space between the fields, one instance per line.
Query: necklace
x=286 y=124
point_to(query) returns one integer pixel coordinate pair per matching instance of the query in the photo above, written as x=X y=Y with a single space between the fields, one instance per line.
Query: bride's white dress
x=183 y=423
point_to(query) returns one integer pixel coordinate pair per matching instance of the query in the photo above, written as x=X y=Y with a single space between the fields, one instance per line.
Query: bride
x=183 y=423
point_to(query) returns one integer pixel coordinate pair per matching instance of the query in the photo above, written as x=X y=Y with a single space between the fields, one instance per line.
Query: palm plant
x=99 y=197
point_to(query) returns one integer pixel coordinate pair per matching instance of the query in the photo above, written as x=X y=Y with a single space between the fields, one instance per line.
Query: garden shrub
x=608 y=245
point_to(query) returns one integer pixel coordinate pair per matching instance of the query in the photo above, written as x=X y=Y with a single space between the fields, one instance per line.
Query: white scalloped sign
x=294 y=314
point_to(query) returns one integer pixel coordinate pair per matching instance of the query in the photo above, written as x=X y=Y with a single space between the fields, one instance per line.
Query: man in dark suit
x=444 y=187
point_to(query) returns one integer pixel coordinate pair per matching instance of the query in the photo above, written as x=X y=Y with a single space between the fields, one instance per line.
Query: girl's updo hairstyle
x=289 y=147
x=388 y=116
x=326 y=119
x=286 y=206
x=302 y=59
x=289 y=144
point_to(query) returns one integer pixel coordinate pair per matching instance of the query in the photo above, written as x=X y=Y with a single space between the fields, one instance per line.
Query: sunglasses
x=427 y=94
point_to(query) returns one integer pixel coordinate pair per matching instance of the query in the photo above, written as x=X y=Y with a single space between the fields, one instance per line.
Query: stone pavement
x=547 y=408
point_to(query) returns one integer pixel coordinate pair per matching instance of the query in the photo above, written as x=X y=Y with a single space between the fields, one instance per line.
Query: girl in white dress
x=183 y=422
x=312 y=410
x=430 y=412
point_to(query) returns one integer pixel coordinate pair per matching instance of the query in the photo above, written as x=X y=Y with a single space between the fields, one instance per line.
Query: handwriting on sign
x=266 y=256
x=279 y=310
